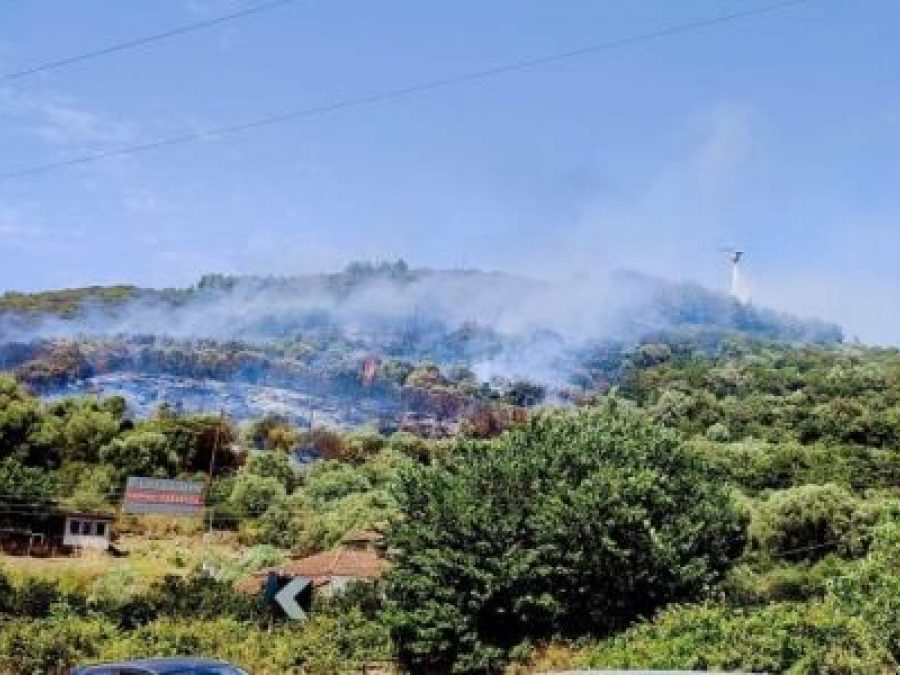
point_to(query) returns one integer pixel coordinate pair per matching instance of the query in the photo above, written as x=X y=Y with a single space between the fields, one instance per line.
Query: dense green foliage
x=847 y=395
x=808 y=521
x=854 y=628
x=731 y=505
x=333 y=499
x=44 y=631
x=78 y=452
x=92 y=430
x=575 y=523
x=796 y=638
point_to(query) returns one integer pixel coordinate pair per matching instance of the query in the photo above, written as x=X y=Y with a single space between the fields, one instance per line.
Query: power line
x=410 y=90
x=142 y=41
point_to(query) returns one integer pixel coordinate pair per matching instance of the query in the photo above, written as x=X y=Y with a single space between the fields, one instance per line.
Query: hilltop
x=299 y=345
x=394 y=299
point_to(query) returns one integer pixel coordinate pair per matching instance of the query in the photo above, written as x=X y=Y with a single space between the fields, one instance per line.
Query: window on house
x=101 y=529
x=86 y=527
x=74 y=526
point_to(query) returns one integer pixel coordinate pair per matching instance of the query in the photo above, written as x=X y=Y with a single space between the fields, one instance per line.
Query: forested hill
x=394 y=300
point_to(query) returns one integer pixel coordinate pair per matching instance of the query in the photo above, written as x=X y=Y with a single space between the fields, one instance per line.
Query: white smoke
x=516 y=326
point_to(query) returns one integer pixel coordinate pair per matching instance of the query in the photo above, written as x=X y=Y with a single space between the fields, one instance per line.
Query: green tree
x=141 y=453
x=25 y=493
x=283 y=523
x=195 y=438
x=87 y=429
x=571 y=524
x=19 y=417
x=273 y=465
x=253 y=494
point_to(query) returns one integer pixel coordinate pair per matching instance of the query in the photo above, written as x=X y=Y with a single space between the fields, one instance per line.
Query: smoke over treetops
x=391 y=300
x=294 y=332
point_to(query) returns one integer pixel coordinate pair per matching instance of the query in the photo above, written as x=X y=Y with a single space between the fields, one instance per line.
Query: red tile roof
x=339 y=562
x=321 y=568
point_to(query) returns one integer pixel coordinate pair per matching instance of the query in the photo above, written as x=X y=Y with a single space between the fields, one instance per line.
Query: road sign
x=158 y=495
x=287 y=598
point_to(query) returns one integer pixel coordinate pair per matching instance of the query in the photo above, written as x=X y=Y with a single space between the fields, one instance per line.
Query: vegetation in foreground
x=729 y=510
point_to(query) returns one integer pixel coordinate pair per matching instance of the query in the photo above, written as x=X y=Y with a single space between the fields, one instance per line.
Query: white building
x=92 y=531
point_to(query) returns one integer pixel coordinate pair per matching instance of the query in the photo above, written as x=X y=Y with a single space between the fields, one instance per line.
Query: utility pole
x=212 y=466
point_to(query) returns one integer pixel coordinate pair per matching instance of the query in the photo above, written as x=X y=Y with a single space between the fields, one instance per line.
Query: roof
x=164 y=665
x=323 y=567
x=338 y=562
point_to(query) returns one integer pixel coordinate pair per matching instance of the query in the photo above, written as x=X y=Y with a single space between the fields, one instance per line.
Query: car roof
x=159 y=665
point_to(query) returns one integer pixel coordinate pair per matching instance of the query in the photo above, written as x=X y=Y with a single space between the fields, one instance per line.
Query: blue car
x=175 y=666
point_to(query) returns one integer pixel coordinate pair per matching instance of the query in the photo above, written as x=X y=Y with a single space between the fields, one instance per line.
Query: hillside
x=291 y=345
x=746 y=465
x=788 y=454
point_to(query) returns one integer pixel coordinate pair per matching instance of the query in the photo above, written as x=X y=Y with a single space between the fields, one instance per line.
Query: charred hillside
x=356 y=338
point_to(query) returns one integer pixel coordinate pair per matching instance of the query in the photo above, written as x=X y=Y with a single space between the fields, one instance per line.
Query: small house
x=360 y=557
x=87 y=531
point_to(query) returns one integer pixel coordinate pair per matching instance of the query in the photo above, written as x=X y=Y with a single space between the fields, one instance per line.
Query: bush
x=571 y=524
x=52 y=646
x=780 y=637
x=34 y=598
x=807 y=522
x=409 y=445
x=872 y=590
x=327 y=643
x=784 y=582
x=756 y=465
x=282 y=524
x=363 y=445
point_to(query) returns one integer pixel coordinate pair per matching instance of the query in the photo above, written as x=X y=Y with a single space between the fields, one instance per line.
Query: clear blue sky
x=779 y=134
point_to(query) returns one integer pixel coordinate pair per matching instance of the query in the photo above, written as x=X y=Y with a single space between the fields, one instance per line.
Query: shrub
x=282 y=524
x=327 y=643
x=363 y=445
x=757 y=465
x=780 y=637
x=34 y=598
x=52 y=646
x=807 y=522
x=872 y=589
x=784 y=582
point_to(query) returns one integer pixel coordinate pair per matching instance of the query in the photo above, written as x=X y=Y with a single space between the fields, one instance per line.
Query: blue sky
x=779 y=134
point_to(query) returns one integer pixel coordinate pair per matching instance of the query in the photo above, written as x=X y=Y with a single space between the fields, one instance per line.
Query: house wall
x=85 y=533
x=337 y=585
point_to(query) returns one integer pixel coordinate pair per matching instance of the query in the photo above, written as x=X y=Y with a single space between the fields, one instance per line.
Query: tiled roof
x=339 y=562
x=323 y=567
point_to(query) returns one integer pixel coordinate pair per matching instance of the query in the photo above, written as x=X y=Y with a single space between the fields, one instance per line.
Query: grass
x=145 y=561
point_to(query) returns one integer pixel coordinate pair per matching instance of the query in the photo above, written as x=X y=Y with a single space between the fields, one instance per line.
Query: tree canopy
x=574 y=523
